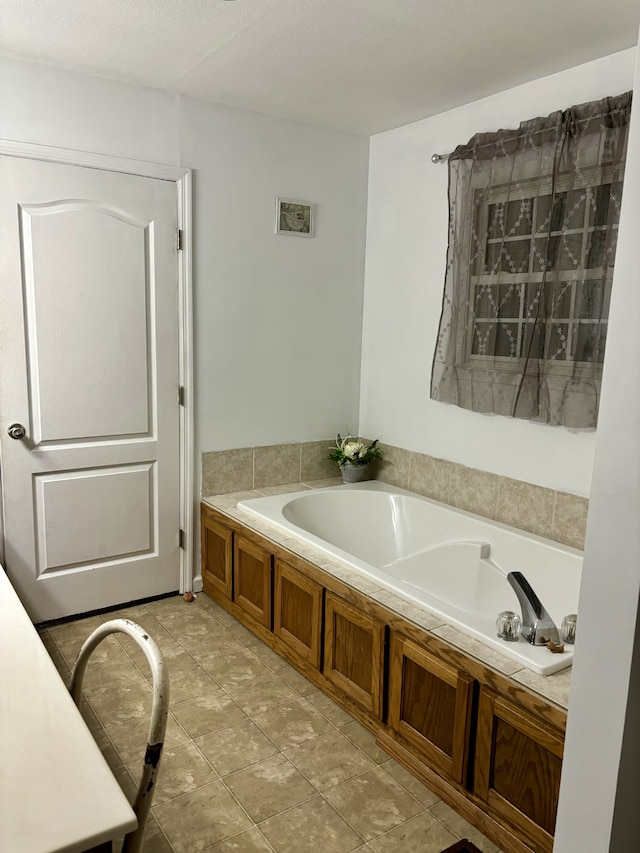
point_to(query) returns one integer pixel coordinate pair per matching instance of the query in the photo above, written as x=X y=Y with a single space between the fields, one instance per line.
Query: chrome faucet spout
x=538 y=628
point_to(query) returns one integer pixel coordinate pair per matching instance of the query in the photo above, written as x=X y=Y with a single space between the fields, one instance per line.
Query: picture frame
x=294 y=217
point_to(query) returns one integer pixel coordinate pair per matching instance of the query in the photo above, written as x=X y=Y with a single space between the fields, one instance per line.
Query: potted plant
x=354 y=457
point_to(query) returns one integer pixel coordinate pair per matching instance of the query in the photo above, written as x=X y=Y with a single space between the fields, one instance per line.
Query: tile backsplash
x=556 y=515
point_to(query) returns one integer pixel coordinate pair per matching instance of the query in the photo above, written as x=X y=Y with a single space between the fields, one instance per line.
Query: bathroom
x=359 y=305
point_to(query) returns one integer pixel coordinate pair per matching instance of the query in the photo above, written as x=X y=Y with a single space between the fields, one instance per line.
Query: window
x=533 y=228
x=571 y=235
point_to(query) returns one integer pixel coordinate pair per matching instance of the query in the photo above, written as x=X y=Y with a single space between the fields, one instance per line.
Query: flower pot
x=355 y=473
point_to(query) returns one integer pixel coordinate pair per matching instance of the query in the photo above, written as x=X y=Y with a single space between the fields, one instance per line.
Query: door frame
x=181 y=177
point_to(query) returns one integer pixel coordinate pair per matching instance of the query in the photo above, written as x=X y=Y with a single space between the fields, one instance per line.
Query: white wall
x=405 y=265
x=598 y=808
x=277 y=318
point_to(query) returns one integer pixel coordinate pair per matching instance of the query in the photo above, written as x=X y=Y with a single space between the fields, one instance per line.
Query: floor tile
x=296 y=680
x=119 y=702
x=217 y=641
x=371 y=805
x=201 y=818
x=329 y=760
x=260 y=694
x=293 y=724
x=182 y=769
x=330 y=709
x=250 y=841
x=188 y=682
x=269 y=787
x=235 y=667
x=130 y=737
x=462 y=828
x=421 y=834
x=413 y=786
x=268 y=656
x=366 y=740
x=247 y=637
x=313 y=827
x=236 y=747
x=208 y=713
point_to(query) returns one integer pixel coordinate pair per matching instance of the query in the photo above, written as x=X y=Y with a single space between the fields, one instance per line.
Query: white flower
x=353 y=449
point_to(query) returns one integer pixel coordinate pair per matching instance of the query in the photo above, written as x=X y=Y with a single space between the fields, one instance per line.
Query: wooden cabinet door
x=518 y=765
x=216 y=557
x=297 y=617
x=354 y=652
x=430 y=705
x=252 y=580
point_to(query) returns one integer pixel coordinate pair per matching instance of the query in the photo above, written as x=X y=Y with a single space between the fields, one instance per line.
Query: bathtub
x=446 y=560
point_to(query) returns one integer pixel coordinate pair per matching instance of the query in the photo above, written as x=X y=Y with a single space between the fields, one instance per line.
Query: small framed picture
x=294 y=217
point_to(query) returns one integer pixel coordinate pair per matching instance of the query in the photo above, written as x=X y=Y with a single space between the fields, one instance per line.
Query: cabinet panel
x=252 y=580
x=297 y=617
x=430 y=706
x=354 y=652
x=518 y=766
x=216 y=557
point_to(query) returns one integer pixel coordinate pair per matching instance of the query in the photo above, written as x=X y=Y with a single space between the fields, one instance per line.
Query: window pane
x=604 y=202
x=495 y=227
x=497 y=301
x=510 y=219
x=557 y=341
x=574 y=205
x=495 y=339
x=599 y=204
x=548 y=300
x=567 y=212
x=486 y=301
x=519 y=217
x=589 y=342
x=601 y=248
x=484 y=336
x=544 y=215
x=507 y=340
x=592 y=300
x=570 y=252
x=511 y=256
x=533 y=340
x=545 y=254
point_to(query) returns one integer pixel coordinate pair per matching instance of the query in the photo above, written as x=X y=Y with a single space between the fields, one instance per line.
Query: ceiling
x=361 y=66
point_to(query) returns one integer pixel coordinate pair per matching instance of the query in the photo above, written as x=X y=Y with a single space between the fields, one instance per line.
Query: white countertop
x=57 y=793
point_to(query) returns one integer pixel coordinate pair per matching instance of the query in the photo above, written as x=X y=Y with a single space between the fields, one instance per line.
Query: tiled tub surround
x=546 y=512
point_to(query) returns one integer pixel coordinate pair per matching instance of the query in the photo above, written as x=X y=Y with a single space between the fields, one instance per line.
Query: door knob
x=17 y=431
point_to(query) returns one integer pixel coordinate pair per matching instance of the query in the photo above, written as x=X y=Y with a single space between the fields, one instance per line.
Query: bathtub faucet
x=537 y=626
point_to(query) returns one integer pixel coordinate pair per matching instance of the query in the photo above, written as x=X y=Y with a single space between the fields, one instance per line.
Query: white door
x=89 y=370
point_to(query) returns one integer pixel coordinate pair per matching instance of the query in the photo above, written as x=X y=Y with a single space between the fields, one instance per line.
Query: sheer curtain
x=533 y=222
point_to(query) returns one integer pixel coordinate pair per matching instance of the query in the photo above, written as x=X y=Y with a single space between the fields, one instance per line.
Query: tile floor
x=256 y=759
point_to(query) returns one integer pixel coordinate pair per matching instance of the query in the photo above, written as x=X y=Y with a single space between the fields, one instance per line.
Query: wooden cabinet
x=252 y=582
x=430 y=706
x=297 y=620
x=354 y=653
x=517 y=769
x=217 y=544
x=486 y=745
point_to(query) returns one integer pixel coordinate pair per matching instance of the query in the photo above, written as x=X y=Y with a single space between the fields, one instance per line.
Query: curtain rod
x=439 y=158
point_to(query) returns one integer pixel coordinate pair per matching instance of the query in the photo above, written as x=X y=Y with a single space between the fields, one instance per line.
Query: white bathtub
x=451 y=562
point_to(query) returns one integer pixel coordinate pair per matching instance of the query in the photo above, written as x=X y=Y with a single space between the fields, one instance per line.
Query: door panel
x=110 y=291
x=89 y=366
x=89 y=517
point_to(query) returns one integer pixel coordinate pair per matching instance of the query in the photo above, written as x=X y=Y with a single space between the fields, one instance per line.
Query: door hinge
x=181 y=539
x=179 y=239
x=181 y=395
